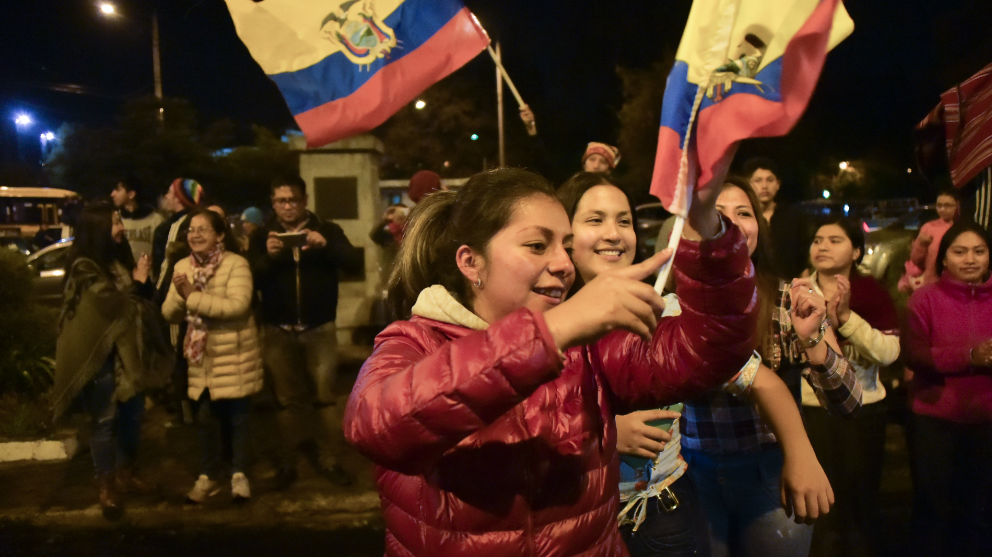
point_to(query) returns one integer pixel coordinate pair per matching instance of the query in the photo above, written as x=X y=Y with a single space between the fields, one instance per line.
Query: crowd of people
x=206 y=312
x=532 y=393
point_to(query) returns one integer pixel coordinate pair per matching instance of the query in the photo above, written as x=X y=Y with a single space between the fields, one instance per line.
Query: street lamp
x=843 y=165
x=420 y=104
x=23 y=120
x=109 y=9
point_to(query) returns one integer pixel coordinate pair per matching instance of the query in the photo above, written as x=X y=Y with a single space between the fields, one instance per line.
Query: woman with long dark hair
x=852 y=448
x=948 y=344
x=489 y=412
x=111 y=347
x=749 y=457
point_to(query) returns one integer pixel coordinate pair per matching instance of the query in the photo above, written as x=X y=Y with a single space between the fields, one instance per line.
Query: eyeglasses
x=200 y=230
x=287 y=201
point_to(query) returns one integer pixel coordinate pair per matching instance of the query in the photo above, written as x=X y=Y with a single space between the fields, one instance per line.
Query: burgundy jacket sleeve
x=919 y=349
x=707 y=344
x=419 y=394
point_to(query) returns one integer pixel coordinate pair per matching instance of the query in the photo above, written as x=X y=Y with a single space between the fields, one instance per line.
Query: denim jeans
x=115 y=427
x=303 y=366
x=679 y=532
x=952 y=483
x=741 y=498
x=223 y=430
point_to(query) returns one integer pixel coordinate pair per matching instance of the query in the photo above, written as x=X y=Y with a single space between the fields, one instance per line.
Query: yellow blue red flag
x=744 y=68
x=345 y=66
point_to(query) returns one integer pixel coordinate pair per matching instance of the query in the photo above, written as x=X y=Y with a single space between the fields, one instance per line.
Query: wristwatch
x=814 y=341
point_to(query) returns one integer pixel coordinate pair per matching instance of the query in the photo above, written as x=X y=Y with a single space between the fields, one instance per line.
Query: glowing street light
x=843 y=165
x=107 y=8
x=826 y=194
x=420 y=104
x=23 y=120
x=474 y=137
x=47 y=136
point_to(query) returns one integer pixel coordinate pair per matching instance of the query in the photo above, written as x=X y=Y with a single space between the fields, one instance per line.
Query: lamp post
x=109 y=9
x=22 y=122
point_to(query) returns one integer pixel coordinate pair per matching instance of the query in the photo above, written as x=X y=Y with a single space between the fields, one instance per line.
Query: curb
x=361 y=507
x=60 y=448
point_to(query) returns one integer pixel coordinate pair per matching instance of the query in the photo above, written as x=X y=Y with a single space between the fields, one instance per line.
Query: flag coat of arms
x=744 y=68
x=345 y=66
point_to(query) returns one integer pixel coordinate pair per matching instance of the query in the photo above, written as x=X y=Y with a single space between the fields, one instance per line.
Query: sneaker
x=202 y=489
x=240 y=489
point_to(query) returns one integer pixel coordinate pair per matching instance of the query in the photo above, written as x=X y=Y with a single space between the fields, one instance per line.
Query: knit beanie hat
x=253 y=215
x=422 y=183
x=610 y=153
x=188 y=191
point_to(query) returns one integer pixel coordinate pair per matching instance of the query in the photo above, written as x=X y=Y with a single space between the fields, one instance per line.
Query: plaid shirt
x=723 y=423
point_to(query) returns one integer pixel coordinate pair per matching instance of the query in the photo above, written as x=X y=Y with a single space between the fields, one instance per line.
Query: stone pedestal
x=343 y=185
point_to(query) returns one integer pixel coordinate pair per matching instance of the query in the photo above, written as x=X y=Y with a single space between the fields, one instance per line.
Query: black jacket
x=275 y=276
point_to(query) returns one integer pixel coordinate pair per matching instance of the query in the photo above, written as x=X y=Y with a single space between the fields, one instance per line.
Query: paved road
x=50 y=508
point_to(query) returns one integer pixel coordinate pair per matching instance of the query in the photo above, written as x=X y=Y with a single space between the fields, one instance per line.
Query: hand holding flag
x=744 y=68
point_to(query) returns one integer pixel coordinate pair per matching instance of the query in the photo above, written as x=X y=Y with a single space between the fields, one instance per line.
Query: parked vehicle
x=41 y=215
x=887 y=247
x=49 y=266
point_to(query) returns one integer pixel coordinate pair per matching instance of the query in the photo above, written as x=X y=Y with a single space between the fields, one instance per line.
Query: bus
x=36 y=214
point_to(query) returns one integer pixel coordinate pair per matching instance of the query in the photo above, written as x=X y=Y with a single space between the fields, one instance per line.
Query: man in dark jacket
x=789 y=231
x=296 y=260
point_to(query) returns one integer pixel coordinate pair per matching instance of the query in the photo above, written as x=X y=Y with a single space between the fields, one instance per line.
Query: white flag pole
x=684 y=187
x=506 y=76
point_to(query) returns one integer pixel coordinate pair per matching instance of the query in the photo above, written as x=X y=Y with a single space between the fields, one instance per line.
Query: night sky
x=61 y=61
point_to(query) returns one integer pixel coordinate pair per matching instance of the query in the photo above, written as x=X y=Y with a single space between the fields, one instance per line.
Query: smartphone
x=290 y=239
x=639 y=462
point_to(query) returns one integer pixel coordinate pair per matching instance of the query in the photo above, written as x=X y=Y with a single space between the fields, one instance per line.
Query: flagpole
x=687 y=186
x=506 y=76
x=499 y=111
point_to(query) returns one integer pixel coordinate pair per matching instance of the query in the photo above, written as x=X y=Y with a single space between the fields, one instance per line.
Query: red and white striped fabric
x=965 y=112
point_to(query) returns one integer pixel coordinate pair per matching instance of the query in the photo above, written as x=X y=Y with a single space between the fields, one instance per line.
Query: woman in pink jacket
x=489 y=420
x=921 y=268
x=948 y=343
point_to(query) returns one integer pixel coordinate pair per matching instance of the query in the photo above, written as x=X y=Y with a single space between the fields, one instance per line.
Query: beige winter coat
x=232 y=363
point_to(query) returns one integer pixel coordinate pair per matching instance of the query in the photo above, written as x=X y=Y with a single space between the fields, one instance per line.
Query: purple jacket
x=944 y=321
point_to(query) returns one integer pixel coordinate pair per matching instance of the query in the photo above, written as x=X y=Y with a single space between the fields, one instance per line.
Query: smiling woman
x=948 y=345
x=488 y=405
x=212 y=291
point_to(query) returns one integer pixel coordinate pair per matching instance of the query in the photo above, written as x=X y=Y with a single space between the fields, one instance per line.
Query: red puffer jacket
x=486 y=443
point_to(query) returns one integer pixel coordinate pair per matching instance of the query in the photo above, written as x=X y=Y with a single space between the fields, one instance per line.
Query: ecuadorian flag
x=744 y=68
x=345 y=66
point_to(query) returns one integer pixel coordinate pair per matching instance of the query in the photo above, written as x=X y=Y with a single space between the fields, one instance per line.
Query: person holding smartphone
x=297 y=259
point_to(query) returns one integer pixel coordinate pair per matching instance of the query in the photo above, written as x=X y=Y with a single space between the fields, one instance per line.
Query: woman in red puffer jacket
x=489 y=420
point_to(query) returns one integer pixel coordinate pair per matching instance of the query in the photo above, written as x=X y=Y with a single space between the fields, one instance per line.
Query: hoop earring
x=478 y=283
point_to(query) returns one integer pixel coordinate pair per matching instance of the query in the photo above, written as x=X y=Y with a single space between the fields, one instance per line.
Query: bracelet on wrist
x=814 y=341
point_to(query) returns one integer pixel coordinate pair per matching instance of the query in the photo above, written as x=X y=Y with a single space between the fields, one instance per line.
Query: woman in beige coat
x=212 y=290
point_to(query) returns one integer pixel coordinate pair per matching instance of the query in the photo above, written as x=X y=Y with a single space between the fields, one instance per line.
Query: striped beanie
x=610 y=153
x=188 y=191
